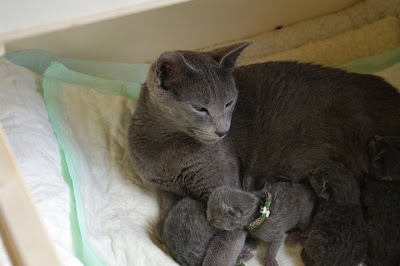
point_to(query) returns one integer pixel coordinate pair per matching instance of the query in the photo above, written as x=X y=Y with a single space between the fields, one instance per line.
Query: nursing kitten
x=338 y=235
x=201 y=123
x=291 y=208
x=187 y=234
x=380 y=200
x=188 y=245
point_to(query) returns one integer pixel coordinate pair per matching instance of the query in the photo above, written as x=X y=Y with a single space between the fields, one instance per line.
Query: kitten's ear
x=171 y=65
x=226 y=56
x=320 y=186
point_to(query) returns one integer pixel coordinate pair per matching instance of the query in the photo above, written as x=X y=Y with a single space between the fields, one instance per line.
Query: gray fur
x=284 y=119
x=380 y=201
x=187 y=235
x=338 y=235
x=291 y=208
x=188 y=246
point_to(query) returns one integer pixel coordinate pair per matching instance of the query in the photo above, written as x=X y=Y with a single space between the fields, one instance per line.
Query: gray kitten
x=201 y=123
x=338 y=234
x=187 y=234
x=188 y=245
x=291 y=208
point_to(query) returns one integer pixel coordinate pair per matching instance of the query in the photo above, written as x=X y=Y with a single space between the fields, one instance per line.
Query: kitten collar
x=264 y=213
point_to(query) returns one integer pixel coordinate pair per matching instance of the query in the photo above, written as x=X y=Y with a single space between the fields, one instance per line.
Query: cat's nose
x=221 y=133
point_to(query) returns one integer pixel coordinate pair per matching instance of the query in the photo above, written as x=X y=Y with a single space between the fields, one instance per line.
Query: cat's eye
x=200 y=108
x=229 y=104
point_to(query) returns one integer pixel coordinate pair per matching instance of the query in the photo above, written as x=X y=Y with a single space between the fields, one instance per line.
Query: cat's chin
x=208 y=141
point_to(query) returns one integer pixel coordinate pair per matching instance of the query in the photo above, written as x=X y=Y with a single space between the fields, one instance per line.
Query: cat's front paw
x=270 y=262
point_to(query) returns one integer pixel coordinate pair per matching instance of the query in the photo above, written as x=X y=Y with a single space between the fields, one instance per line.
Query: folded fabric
x=38 y=61
x=391 y=75
x=373 y=64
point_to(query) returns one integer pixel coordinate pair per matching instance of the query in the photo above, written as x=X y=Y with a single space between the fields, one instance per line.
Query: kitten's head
x=230 y=209
x=339 y=189
x=195 y=90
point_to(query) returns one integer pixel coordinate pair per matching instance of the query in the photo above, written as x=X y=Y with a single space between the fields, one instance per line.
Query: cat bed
x=94 y=207
x=90 y=115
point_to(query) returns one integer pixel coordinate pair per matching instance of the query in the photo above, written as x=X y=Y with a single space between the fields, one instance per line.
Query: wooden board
x=22 y=232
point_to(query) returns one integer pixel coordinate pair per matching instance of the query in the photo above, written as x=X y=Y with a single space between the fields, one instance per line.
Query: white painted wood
x=24 y=236
x=23 y=18
x=195 y=24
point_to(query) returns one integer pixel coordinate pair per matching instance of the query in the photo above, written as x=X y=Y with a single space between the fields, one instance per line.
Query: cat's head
x=336 y=188
x=230 y=209
x=195 y=91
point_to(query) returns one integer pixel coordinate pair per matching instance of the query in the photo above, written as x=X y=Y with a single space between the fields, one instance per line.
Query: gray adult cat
x=200 y=124
x=291 y=208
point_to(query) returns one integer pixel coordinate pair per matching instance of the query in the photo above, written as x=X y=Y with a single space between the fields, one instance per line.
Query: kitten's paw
x=270 y=262
x=293 y=238
x=245 y=256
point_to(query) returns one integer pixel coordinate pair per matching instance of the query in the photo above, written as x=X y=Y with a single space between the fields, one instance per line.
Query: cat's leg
x=167 y=200
x=246 y=253
x=270 y=253
x=225 y=248
x=384 y=157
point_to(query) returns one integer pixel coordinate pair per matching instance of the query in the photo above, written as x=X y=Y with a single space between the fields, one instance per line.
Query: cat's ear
x=320 y=186
x=171 y=65
x=227 y=56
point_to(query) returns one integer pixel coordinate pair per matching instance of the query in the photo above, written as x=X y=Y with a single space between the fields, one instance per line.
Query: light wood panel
x=23 y=235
